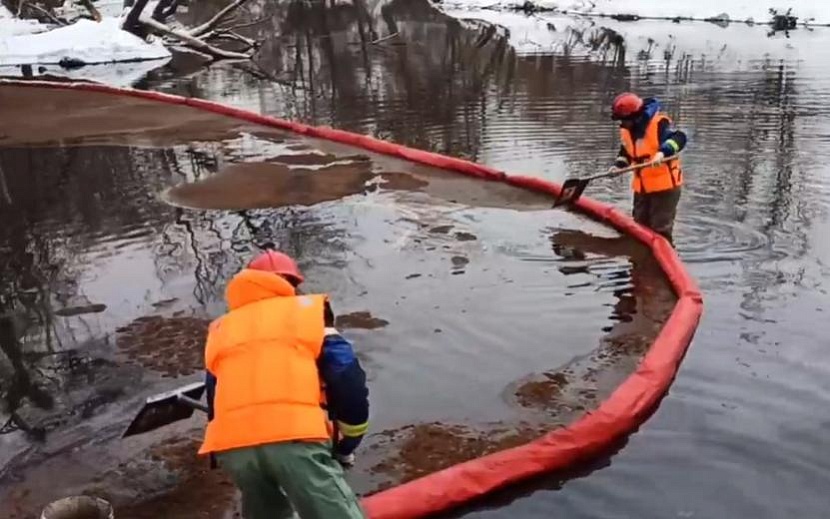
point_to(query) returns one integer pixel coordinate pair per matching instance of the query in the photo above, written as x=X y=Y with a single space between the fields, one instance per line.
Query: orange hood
x=250 y=286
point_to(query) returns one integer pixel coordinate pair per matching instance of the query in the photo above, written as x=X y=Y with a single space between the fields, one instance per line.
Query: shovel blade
x=164 y=409
x=571 y=191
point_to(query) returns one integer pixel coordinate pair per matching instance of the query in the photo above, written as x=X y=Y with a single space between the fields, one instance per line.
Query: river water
x=125 y=219
x=743 y=430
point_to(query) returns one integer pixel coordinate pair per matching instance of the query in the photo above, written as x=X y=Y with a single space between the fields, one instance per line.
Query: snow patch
x=650 y=43
x=739 y=10
x=816 y=11
x=12 y=26
x=71 y=9
x=85 y=41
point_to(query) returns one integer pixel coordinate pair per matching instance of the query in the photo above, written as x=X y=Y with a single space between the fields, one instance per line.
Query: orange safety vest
x=653 y=179
x=264 y=355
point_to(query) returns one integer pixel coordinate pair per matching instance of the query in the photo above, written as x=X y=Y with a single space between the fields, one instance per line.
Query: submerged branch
x=213 y=22
x=188 y=39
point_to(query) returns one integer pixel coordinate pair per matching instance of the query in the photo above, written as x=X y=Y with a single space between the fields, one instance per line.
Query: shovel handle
x=195 y=404
x=634 y=167
x=572 y=188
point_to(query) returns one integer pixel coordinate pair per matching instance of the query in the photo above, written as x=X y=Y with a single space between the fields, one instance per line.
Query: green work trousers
x=278 y=478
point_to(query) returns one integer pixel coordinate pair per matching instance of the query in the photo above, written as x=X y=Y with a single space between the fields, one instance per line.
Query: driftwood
x=216 y=20
x=201 y=38
x=189 y=40
x=197 y=38
x=91 y=9
x=28 y=9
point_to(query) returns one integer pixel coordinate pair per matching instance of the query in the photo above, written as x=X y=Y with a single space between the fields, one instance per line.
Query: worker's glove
x=344 y=450
x=658 y=158
x=348 y=444
x=347 y=460
x=613 y=170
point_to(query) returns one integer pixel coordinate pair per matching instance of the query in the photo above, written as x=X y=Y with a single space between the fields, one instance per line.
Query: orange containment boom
x=617 y=416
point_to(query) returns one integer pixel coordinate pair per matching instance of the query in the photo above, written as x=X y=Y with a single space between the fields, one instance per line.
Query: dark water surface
x=743 y=431
x=125 y=218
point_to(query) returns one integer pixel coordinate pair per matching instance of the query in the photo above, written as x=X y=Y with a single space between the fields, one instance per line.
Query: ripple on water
x=708 y=239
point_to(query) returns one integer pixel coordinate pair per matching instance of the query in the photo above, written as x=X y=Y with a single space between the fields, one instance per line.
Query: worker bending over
x=647 y=135
x=266 y=361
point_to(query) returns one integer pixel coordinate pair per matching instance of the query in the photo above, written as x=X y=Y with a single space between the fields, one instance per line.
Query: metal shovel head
x=164 y=409
x=571 y=191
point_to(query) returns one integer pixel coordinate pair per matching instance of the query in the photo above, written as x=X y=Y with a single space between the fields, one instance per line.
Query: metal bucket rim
x=67 y=504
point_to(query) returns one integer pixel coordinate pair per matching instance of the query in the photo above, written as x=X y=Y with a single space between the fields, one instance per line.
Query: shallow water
x=132 y=227
x=741 y=433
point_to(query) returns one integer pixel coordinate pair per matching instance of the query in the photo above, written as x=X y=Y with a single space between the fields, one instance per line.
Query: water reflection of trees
x=61 y=201
x=72 y=209
x=213 y=245
x=439 y=84
x=336 y=64
x=442 y=81
x=436 y=85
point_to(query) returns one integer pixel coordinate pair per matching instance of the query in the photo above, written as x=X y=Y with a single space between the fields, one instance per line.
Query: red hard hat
x=278 y=263
x=626 y=105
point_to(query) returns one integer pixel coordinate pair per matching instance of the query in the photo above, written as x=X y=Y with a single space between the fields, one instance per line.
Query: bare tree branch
x=190 y=40
x=258 y=71
x=165 y=9
x=92 y=10
x=51 y=16
x=131 y=21
x=142 y=24
x=213 y=22
x=231 y=36
x=4 y=188
x=248 y=24
x=385 y=38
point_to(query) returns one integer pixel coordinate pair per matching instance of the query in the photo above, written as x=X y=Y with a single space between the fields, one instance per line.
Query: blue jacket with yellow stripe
x=347 y=395
x=671 y=140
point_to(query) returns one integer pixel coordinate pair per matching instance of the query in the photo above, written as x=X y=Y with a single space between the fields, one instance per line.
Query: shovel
x=179 y=404
x=573 y=187
x=166 y=408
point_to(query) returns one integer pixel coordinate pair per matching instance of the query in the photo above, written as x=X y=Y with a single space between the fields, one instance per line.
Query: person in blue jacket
x=313 y=484
x=648 y=135
x=345 y=385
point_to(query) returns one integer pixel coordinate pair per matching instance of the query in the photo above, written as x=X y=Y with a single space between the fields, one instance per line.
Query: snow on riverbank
x=11 y=26
x=817 y=11
x=84 y=41
x=653 y=43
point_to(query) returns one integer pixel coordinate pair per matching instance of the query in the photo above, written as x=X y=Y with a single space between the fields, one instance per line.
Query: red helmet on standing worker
x=278 y=263
x=626 y=106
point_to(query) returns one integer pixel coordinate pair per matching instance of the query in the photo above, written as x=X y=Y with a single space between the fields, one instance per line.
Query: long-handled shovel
x=179 y=404
x=573 y=187
x=166 y=408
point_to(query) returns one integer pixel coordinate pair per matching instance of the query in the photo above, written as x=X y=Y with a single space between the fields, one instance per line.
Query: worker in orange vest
x=647 y=135
x=271 y=362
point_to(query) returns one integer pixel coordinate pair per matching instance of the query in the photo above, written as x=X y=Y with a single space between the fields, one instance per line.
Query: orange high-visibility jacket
x=264 y=355
x=653 y=179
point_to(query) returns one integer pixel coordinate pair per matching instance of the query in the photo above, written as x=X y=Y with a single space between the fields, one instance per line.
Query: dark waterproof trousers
x=657 y=211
